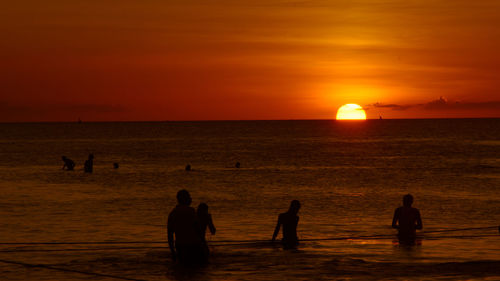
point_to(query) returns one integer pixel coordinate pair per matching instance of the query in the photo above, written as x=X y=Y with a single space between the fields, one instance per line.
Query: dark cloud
x=391 y=106
x=442 y=104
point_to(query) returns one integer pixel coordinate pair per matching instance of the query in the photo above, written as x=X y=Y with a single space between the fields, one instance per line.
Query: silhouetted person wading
x=205 y=221
x=407 y=220
x=289 y=221
x=183 y=224
x=68 y=164
x=88 y=166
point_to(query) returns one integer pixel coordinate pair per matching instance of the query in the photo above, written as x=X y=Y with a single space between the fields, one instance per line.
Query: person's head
x=294 y=207
x=407 y=200
x=202 y=209
x=183 y=197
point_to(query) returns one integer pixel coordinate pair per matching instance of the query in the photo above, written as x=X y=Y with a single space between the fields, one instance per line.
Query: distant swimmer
x=407 y=220
x=188 y=167
x=88 y=166
x=289 y=220
x=184 y=233
x=116 y=165
x=237 y=165
x=69 y=164
x=205 y=221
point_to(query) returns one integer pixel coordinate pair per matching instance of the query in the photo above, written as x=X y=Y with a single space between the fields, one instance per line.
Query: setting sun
x=351 y=111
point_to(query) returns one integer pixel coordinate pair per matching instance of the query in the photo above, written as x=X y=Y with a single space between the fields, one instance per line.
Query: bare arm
x=277 y=229
x=170 y=236
x=419 y=221
x=211 y=225
x=395 y=219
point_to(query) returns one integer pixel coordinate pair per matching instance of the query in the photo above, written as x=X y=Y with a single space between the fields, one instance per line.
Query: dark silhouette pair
x=406 y=219
x=88 y=166
x=186 y=231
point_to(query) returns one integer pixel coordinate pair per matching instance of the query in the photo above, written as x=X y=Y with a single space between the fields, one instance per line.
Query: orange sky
x=247 y=59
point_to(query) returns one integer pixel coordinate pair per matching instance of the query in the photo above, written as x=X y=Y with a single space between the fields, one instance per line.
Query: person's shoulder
x=181 y=210
x=173 y=211
x=187 y=209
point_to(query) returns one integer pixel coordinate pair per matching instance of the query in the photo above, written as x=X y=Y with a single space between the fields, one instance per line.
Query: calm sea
x=349 y=177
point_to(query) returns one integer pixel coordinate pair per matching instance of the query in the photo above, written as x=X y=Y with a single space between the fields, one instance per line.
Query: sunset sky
x=104 y=60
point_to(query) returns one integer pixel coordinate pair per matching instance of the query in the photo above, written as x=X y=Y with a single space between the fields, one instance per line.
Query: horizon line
x=236 y=120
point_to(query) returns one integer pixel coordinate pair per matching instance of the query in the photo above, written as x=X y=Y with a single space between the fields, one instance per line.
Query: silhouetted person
x=116 y=165
x=188 y=167
x=237 y=165
x=183 y=223
x=88 y=166
x=68 y=164
x=205 y=220
x=407 y=220
x=289 y=220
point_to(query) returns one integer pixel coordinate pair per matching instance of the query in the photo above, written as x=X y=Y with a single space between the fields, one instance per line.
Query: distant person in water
x=69 y=164
x=205 y=221
x=188 y=167
x=237 y=165
x=88 y=166
x=407 y=220
x=289 y=221
x=116 y=165
x=184 y=232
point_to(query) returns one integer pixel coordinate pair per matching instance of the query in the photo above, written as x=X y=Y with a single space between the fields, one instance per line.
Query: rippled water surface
x=349 y=177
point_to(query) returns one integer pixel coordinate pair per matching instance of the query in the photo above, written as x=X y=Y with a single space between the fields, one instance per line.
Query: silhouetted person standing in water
x=88 y=166
x=407 y=220
x=205 y=220
x=183 y=224
x=68 y=164
x=289 y=220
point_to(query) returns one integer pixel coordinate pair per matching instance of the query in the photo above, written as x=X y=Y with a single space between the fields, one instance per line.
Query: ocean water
x=349 y=177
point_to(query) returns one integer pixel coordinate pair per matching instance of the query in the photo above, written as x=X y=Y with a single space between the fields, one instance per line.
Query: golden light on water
x=351 y=111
